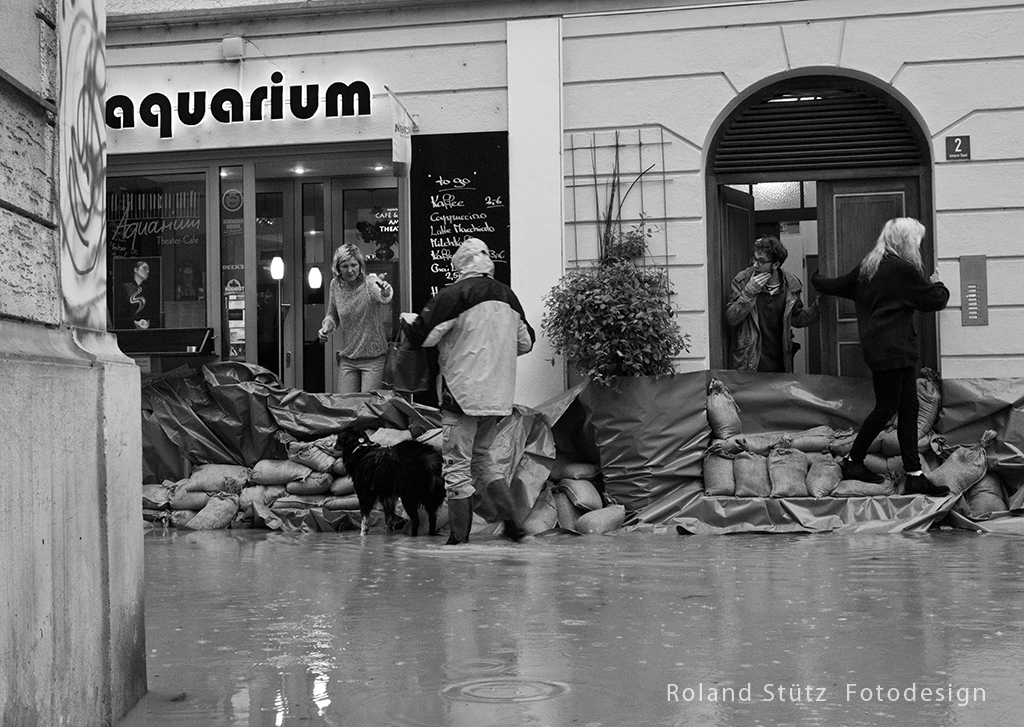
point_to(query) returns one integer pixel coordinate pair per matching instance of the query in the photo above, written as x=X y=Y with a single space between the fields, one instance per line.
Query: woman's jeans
x=895 y=393
x=360 y=375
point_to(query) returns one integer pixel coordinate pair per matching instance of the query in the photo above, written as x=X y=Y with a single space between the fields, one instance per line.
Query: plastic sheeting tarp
x=233 y=413
x=649 y=435
x=237 y=413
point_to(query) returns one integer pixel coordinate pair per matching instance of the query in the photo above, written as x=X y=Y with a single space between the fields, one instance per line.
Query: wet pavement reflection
x=274 y=629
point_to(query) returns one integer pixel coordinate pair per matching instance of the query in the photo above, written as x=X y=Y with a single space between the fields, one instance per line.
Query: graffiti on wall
x=82 y=162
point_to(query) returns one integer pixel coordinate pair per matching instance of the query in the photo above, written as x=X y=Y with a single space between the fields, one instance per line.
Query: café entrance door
x=302 y=221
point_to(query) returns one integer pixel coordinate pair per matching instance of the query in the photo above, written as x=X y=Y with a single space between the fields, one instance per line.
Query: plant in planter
x=614 y=319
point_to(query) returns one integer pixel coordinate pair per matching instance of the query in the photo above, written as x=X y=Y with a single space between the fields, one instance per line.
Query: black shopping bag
x=406 y=368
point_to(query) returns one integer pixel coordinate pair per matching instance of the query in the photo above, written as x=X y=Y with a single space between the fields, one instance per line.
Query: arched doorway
x=822 y=162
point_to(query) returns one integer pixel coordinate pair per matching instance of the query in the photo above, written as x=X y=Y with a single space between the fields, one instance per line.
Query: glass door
x=274 y=239
x=303 y=222
x=313 y=263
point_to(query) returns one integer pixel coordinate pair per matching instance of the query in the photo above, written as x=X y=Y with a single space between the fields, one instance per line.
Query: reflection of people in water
x=138 y=301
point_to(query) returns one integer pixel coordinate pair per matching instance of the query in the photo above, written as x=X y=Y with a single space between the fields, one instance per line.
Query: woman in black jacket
x=887 y=287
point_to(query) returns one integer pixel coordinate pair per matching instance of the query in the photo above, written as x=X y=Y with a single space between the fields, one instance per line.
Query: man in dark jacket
x=764 y=307
x=479 y=328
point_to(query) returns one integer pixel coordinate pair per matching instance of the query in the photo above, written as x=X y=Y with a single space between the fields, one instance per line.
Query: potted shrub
x=614 y=319
x=613 y=323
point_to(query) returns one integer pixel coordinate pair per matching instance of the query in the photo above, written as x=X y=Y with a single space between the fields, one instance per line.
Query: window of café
x=156 y=251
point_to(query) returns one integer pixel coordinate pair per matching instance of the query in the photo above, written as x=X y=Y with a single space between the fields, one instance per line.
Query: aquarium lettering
x=227 y=106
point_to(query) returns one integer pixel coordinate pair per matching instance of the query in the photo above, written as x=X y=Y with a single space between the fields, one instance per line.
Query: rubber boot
x=500 y=496
x=460 y=520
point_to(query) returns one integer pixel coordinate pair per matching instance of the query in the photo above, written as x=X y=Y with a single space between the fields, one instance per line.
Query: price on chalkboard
x=458 y=190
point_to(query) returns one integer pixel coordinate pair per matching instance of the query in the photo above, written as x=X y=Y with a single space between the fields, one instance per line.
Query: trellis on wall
x=625 y=168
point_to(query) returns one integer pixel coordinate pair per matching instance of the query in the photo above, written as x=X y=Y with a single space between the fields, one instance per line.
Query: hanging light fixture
x=316 y=278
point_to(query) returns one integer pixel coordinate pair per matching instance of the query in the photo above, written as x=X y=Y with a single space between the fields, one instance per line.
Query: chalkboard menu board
x=458 y=188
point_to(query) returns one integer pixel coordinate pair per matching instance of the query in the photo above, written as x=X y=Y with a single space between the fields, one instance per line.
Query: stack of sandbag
x=156 y=502
x=964 y=470
x=929 y=400
x=213 y=486
x=572 y=500
x=784 y=464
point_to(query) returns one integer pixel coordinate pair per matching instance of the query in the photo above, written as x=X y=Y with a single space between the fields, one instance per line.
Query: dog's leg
x=432 y=521
x=365 y=525
x=413 y=511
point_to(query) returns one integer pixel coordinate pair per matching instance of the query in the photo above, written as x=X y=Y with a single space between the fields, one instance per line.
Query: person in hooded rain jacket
x=763 y=308
x=479 y=329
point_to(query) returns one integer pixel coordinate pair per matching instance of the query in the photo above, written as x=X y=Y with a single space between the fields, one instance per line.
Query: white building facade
x=815 y=120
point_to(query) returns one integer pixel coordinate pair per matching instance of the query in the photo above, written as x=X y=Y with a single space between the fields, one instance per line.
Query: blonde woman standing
x=887 y=287
x=356 y=311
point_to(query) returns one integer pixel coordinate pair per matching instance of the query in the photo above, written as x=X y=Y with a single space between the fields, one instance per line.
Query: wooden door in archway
x=851 y=214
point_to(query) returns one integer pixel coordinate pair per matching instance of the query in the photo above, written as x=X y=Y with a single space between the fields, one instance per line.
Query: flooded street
x=261 y=628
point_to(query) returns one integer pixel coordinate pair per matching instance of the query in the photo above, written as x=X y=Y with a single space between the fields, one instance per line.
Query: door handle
x=287 y=359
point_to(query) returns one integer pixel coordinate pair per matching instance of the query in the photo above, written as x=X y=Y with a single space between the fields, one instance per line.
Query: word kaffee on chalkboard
x=458 y=190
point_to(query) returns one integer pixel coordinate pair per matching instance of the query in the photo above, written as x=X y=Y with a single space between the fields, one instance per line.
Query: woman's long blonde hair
x=901 y=237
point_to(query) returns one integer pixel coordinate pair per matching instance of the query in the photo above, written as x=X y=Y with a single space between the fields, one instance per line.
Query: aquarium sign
x=228 y=106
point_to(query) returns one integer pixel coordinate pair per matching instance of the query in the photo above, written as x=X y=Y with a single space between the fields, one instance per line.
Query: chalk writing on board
x=459 y=189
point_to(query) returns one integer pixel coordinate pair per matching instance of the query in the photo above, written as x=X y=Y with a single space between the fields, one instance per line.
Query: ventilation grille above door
x=816 y=126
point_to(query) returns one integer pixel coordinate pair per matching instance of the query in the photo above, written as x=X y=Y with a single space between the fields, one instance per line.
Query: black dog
x=409 y=471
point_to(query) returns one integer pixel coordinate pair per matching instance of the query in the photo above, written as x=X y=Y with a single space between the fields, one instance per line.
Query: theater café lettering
x=228 y=106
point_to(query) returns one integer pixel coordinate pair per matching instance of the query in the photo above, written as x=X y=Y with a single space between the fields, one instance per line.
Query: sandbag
x=348 y=502
x=182 y=499
x=158 y=497
x=387 y=437
x=765 y=442
x=298 y=502
x=889 y=444
x=787 y=472
x=433 y=437
x=750 y=472
x=566 y=511
x=823 y=474
x=964 y=465
x=310 y=455
x=877 y=464
x=343 y=486
x=815 y=439
x=263 y=494
x=338 y=468
x=856 y=488
x=986 y=497
x=315 y=483
x=543 y=514
x=842 y=442
x=582 y=494
x=733 y=445
x=719 y=480
x=929 y=401
x=277 y=472
x=599 y=522
x=894 y=466
x=218 y=513
x=218 y=478
x=723 y=413
x=574 y=471
x=181 y=518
